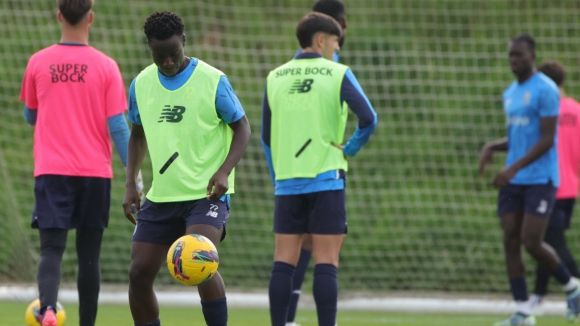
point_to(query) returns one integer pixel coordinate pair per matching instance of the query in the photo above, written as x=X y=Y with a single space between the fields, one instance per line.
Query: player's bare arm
x=548 y=130
x=486 y=157
x=218 y=184
x=135 y=155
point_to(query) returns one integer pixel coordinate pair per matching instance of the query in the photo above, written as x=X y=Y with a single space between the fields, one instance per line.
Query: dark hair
x=316 y=22
x=74 y=10
x=555 y=70
x=529 y=40
x=163 y=25
x=333 y=8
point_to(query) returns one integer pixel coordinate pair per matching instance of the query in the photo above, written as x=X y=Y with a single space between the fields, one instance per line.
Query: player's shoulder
x=208 y=69
x=545 y=83
x=42 y=54
x=570 y=103
x=510 y=88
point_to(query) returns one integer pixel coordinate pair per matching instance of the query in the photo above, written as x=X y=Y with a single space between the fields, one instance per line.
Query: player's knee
x=533 y=245
x=140 y=276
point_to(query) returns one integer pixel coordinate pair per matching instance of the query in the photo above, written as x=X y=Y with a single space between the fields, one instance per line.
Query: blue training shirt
x=353 y=95
x=525 y=105
x=227 y=104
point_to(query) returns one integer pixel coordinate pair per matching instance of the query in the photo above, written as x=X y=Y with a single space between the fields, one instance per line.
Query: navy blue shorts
x=562 y=213
x=536 y=200
x=67 y=202
x=163 y=223
x=321 y=212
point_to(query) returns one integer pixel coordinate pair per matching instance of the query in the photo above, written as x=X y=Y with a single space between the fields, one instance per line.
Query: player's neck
x=562 y=93
x=522 y=79
x=75 y=35
x=312 y=49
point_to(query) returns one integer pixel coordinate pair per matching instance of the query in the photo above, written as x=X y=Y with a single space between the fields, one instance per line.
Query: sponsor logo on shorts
x=212 y=211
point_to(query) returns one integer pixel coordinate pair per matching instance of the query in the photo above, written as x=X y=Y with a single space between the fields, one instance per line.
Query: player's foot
x=573 y=305
x=518 y=319
x=536 y=305
x=292 y=324
x=49 y=317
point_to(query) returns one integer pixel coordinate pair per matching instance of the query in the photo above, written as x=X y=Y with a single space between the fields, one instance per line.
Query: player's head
x=555 y=70
x=164 y=31
x=319 y=32
x=522 y=54
x=75 y=12
x=336 y=10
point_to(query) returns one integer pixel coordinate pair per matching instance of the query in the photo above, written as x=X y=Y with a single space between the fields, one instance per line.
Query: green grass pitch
x=12 y=314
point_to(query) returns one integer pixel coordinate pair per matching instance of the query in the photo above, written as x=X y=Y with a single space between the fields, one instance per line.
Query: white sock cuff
x=571 y=285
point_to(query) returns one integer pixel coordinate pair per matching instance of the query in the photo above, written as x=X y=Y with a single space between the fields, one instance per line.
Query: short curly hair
x=555 y=70
x=162 y=25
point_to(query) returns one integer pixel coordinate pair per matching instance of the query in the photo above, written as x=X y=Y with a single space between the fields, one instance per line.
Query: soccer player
x=307 y=161
x=336 y=10
x=529 y=180
x=568 y=150
x=183 y=111
x=74 y=96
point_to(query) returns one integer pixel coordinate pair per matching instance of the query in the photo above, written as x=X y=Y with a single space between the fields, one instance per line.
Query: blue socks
x=562 y=274
x=299 y=275
x=215 y=312
x=325 y=290
x=155 y=323
x=279 y=291
x=519 y=288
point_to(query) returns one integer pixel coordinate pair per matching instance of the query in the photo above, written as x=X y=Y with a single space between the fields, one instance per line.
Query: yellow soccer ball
x=31 y=315
x=192 y=259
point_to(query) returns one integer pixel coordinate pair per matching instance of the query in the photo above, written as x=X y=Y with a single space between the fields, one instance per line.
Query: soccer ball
x=31 y=315
x=192 y=259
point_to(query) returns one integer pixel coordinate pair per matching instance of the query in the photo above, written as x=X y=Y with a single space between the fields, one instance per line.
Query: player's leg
x=539 y=204
x=146 y=260
x=209 y=219
x=327 y=224
x=567 y=208
x=157 y=228
x=511 y=213
x=290 y=222
x=299 y=275
x=52 y=246
x=55 y=196
x=88 y=245
x=92 y=215
x=326 y=249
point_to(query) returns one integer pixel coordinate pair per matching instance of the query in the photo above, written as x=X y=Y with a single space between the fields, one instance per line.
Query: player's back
x=568 y=147
x=75 y=89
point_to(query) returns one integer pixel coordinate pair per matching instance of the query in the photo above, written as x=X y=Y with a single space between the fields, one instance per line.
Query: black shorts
x=163 y=223
x=67 y=202
x=536 y=200
x=562 y=213
x=321 y=212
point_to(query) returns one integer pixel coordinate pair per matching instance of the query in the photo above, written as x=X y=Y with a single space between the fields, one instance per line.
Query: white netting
x=419 y=216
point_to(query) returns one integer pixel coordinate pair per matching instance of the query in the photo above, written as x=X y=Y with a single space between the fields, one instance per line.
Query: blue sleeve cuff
x=30 y=115
x=120 y=134
x=359 y=139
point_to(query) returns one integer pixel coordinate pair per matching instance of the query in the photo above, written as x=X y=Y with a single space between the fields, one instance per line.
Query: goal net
x=420 y=218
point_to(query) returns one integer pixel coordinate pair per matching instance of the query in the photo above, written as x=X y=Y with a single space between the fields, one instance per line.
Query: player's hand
x=132 y=200
x=503 y=178
x=486 y=158
x=217 y=186
x=341 y=147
